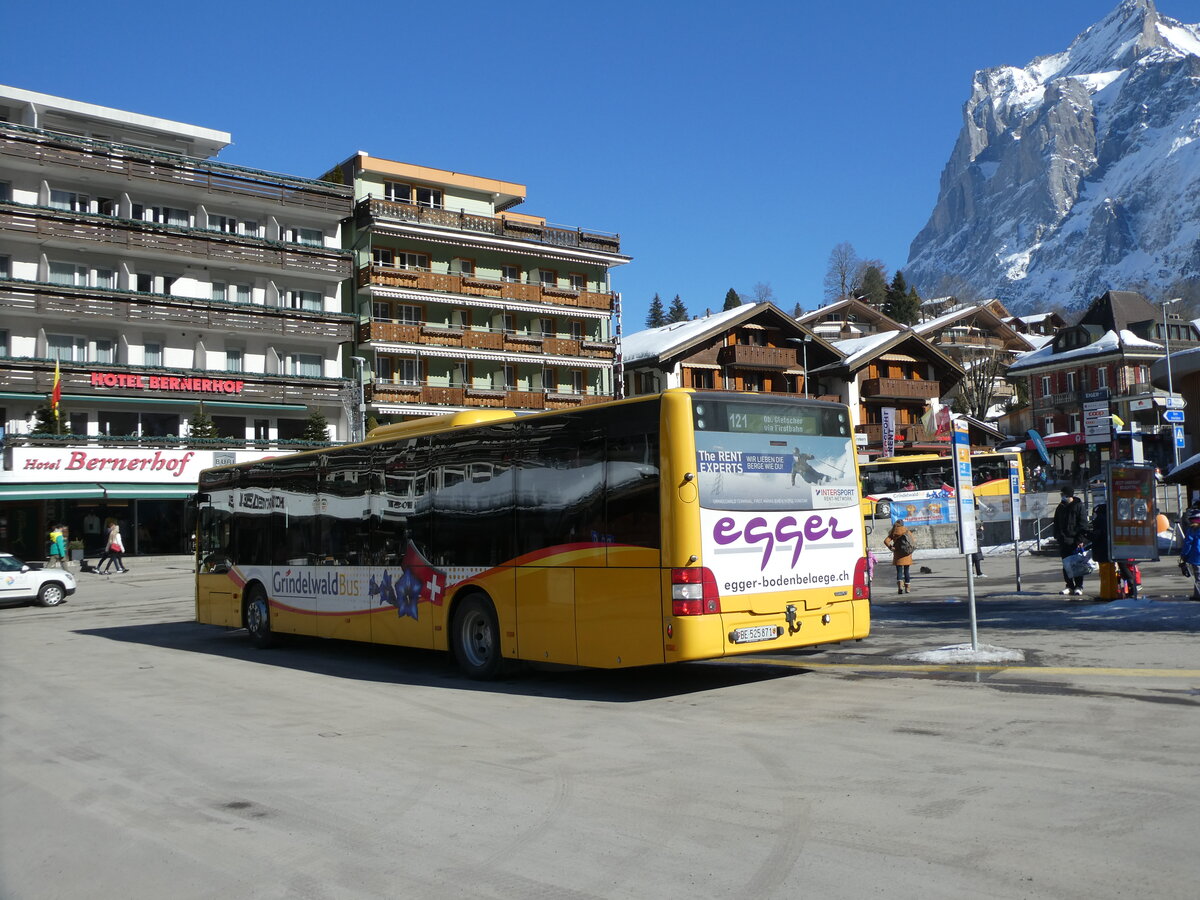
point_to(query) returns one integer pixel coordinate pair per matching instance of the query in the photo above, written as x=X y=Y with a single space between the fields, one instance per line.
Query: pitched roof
x=1110 y=342
x=670 y=340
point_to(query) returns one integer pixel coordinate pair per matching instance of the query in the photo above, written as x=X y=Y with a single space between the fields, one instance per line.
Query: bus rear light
x=862 y=588
x=694 y=592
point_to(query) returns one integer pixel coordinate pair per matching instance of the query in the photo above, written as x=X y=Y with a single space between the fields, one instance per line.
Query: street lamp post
x=1171 y=394
x=803 y=342
x=360 y=408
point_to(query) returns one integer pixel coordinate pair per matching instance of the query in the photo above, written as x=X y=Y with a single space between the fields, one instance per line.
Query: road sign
x=1176 y=402
x=1173 y=415
x=1179 y=436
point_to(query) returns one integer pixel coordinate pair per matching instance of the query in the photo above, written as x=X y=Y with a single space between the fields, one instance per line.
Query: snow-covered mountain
x=1078 y=173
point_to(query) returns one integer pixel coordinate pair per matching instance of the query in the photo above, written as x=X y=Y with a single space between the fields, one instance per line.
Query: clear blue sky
x=727 y=144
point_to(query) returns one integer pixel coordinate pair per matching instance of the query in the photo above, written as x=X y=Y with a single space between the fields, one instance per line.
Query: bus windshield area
x=764 y=455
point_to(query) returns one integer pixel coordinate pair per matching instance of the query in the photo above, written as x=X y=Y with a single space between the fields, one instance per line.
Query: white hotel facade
x=157 y=279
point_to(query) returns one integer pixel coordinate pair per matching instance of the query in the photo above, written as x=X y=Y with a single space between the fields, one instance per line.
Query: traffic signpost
x=1173 y=415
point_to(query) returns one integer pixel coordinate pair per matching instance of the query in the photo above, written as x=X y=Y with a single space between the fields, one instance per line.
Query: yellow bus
x=920 y=488
x=680 y=526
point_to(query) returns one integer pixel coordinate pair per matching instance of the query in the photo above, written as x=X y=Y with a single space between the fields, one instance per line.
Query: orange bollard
x=1108 y=581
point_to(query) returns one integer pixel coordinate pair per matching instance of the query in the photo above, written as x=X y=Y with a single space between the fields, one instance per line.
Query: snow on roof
x=948 y=317
x=1111 y=342
x=857 y=349
x=1038 y=340
x=657 y=342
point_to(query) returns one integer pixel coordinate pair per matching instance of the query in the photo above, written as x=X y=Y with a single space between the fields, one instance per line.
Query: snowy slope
x=1078 y=173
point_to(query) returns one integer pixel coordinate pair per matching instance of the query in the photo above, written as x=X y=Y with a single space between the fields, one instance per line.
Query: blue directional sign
x=1179 y=436
x=1173 y=415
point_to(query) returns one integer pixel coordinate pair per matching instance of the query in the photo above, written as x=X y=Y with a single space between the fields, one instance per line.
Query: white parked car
x=21 y=584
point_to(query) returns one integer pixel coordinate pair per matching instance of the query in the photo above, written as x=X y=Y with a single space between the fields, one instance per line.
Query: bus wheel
x=257 y=615
x=883 y=509
x=476 y=638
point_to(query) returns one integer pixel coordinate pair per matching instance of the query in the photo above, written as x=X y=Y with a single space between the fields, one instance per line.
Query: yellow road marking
x=968 y=667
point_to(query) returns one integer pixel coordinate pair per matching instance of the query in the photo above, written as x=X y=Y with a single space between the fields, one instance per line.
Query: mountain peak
x=1117 y=41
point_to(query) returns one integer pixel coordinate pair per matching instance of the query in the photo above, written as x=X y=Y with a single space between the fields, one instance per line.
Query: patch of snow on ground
x=962 y=653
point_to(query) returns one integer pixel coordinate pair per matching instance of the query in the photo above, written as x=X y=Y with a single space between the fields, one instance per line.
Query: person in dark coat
x=1100 y=548
x=1070 y=530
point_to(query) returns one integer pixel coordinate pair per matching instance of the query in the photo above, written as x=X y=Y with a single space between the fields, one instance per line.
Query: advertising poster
x=1132 y=515
x=964 y=488
x=887 y=416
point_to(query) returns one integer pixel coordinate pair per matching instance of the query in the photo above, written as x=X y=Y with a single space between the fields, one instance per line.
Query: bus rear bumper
x=729 y=634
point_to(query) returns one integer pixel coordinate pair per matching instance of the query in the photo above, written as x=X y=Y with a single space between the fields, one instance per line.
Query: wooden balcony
x=469 y=339
x=900 y=389
x=185 y=246
x=474 y=286
x=141 y=165
x=749 y=357
x=487 y=398
x=36 y=376
x=83 y=304
x=497 y=226
x=966 y=341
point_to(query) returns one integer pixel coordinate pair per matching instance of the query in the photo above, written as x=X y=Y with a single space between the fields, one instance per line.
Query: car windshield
x=10 y=564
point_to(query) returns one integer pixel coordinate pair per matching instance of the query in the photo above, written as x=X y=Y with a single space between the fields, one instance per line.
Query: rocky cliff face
x=1078 y=173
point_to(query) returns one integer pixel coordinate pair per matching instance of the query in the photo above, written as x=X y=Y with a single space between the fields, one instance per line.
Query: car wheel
x=257 y=616
x=51 y=594
x=476 y=638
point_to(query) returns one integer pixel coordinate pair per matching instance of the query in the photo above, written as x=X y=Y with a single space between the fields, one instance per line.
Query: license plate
x=757 y=633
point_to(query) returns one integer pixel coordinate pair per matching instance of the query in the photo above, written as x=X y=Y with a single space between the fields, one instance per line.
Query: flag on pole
x=56 y=393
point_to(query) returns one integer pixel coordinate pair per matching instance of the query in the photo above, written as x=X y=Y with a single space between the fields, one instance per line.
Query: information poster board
x=964 y=488
x=1132 y=515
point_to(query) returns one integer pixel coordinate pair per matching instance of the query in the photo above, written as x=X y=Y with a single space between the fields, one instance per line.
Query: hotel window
x=545 y=327
x=5 y=190
x=1075 y=423
x=397 y=192
x=233 y=359
x=462 y=267
x=430 y=197
x=3 y=343
x=309 y=300
x=381 y=311
x=1048 y=425
x=548 y=277
x=412 y=261
x=510 y=273
x=508 y=323
x=407 y=314
x=703 y=379
x=578 y=282
x=578 y=383
x=1102 y=377
x=310 y=237
x=382 y=256
x=107 y=206
x=68 y=274
x=70 y=201
x=506 y=378
x=152 y=354
x=249 y=228
x=1045 y=385
x=306 y=365
x=168 y=215
x=104 y=351
x=105 y=278
x=66 y=347
x=227 y=224
x=408 y=371
x=1070 y=382
x=577 y=333
x=218 y=290
x=5 y=267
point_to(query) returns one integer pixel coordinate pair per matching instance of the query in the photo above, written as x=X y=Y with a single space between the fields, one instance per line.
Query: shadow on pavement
x=428 y=668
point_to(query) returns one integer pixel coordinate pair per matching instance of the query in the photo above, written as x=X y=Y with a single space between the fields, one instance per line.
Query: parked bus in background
x=920 y=488
x=681 y=526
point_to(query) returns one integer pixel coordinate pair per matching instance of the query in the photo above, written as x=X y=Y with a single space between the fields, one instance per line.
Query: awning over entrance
x=96 y=491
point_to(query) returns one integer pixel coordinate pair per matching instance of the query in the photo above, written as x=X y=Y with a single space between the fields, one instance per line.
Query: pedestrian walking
x=899 y=541
x=58 y=547
x=114 y=550
x=977 y=556
x=1069 y=532
x=1189 y=554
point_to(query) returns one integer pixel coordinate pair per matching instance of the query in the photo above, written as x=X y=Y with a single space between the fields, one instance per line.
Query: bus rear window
x=765 y=455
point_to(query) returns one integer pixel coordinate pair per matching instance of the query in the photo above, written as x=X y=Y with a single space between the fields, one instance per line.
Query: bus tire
x=475 y=638
x=256 y=615
x=883 y=509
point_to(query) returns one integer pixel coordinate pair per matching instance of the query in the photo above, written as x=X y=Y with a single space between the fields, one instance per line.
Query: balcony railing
x=750 y=357
x=497 y=226
x=476 y=286
x=498 y=398
x=900 y=388
x=471 y=339
x=36 y=377
x=159 y=441
x=50 y=148
x=87 y=303
x=971 y=340
x=108 y=232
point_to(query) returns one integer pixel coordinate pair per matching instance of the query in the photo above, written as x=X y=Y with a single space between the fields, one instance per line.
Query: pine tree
x=896 y=293
x=656 y=318
x=316 y=429
x=678 y=312
x=798 y=311
x=874 y=288
x=201 y=425
x=907 y=311
x=44 y=421
x=732 y=299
